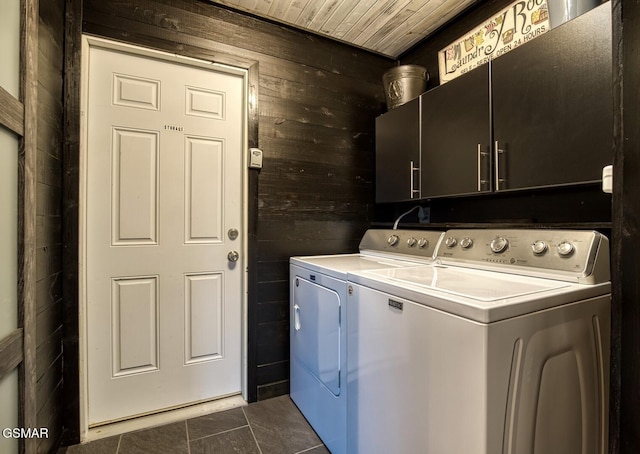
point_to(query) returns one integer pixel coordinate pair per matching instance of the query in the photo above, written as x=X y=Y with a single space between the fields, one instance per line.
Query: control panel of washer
x=571 y=251
x=418 y=243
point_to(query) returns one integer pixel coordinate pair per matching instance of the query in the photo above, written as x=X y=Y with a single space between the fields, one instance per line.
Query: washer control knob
x=411 y=242
x=423 y=243
x=450 y=242
x=466 y=243
x=565 y=249
x=539 y=247
x=499 y=244
x=393 y=240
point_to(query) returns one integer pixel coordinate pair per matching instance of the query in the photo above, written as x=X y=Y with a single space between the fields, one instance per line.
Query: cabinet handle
x=498 y=151
x=480 y=155
x=413 y=191
x=479 y=164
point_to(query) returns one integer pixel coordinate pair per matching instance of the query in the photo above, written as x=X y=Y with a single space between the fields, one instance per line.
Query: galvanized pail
x=561 y=11
x=403 y=83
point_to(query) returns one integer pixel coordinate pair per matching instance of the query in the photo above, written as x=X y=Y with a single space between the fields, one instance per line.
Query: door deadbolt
x=232 y=234
x=233 y=256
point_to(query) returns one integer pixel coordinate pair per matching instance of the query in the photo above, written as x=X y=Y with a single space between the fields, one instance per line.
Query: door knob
x=233 y=256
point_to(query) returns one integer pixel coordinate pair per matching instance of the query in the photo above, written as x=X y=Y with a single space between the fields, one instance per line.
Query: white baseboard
x=165 y=417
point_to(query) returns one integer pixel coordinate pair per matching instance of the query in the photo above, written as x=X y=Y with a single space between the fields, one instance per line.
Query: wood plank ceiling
x=387 y=27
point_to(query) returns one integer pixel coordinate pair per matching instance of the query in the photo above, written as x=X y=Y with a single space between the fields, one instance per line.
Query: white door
x=164 y=189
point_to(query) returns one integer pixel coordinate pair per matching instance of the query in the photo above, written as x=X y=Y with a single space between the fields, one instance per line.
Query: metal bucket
x=561 y=11
x=403 y=83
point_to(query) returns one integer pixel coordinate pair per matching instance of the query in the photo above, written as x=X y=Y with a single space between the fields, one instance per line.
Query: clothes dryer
x=318 y=323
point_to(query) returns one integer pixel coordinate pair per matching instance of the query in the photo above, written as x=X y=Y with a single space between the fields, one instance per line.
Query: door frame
x=89 y=42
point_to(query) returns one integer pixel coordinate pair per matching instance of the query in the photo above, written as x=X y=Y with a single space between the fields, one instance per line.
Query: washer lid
x=482 y=296
x=474 y=284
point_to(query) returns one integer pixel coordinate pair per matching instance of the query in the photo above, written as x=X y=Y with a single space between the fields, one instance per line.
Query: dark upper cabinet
x=398 y=153
x=553 y=106
x=539 y=116
x=456 y=139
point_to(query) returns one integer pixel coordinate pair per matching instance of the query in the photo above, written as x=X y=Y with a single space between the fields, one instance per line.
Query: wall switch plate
x=255 y=158
x=607 y=179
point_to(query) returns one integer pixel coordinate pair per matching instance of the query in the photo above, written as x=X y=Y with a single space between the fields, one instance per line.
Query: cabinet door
x=553 y=105
x=456 y=136
x=398 y=153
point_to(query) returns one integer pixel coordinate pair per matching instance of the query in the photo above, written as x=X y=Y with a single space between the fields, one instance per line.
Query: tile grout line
x=310 y=449
x=251 y=429
x=119 y=441
x=221 y=432
x=186 y=428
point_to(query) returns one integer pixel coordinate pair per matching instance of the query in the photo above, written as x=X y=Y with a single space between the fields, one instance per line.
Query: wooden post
x=27 y=220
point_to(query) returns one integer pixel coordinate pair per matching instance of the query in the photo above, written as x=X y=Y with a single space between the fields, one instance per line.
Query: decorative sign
x=511 y=27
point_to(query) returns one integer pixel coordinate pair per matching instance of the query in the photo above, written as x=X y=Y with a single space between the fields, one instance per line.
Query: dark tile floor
x=273 y=426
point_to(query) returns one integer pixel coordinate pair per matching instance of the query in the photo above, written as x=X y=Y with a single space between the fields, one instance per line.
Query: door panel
x=203 y=186
x=203 y=316
x=205 y=103
x=130 y=91
x=9 y=150
x=135 y=186
x=135 y=325
x=164 y=184
x=9 y=391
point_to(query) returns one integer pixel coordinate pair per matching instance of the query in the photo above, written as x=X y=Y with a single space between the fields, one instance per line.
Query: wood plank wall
x=317 y=103
x=49 y=327
x=619 y=288
x=70 y=216
x=626 y=223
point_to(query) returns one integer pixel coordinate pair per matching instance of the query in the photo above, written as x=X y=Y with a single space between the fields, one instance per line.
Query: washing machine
x=318 y=323
x=500 y=346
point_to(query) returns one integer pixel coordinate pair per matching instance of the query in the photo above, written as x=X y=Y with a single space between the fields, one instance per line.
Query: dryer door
x=315 y=340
